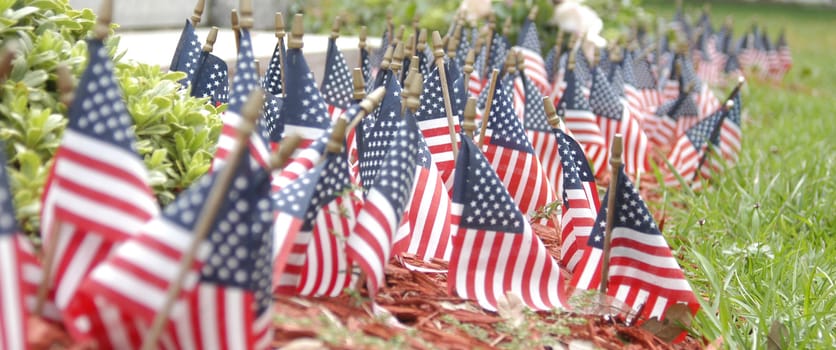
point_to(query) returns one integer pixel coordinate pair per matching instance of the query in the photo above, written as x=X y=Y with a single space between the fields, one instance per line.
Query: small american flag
x=97 y=193
x=425 y=227
x=705 y=99
x=337 y=88
x=328 y=270
x=582 y=69
x=580 y=200
x=784 y=54
x=15 y=251
x=535 y=68
x=725 y=142
x=690 y=147
x=642 y=272
x=212 y=79
x=379 y=132
x=495 y=250
x=614 y=118
x=552 y=64
x=539 y=133
x=646 y=84
x=272 y=82
x=510 y=153
x=499 y=52
x=432 y=120
x=245 y=81
x=575 y=110
x=370 y=243
x=304 y=110
x=187 y=53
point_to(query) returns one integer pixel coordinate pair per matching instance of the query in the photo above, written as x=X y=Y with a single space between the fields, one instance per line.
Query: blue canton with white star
x=395 y=176
x=486 y=204
x=98 y=110
x=535 y=113
x=603 y=101
x=187 y=53
x=630 y=212
x=273 y=76
x=303 y=104
x=212 y=79
x=507 y=130
x=337 y=87
x=573 y=98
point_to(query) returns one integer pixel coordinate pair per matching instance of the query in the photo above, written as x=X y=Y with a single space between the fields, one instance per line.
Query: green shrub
x=176 y=133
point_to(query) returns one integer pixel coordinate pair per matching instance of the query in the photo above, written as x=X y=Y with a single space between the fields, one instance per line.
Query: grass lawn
x=759 y=245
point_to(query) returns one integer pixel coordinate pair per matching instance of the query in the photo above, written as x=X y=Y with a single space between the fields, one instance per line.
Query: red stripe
x=108 y=169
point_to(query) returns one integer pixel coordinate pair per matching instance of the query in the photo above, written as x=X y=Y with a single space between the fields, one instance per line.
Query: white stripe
x=676 y=284
x=105 y=152
x=127 y=284
x=667 y=262
x=506 y=243
x=659 y=306
x=97 y=211
x=12 y=309
x=183 y=326
x=641 y=298
x=591 y=269
x=308 y=133
x=112 y=320
x=479 y=269
x=622 y=292
x=91 y=178
x=643 y=238
x=209 y=317
x=540 y=260
x=264 y=322
x=65 y=288
x=323 y=241
x=237 y=331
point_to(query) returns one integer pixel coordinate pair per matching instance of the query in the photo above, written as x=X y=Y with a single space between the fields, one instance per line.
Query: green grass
x=767 y=251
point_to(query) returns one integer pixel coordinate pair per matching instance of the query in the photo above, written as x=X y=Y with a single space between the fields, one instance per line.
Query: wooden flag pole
x=198 y=12
x=469 y=124
x=66 y=91
x=236 y=29
x=289 y=144
x=486 y=115
x=359 y=84
x=438 y=53
x=280 y=34
x=615 y=166
x=367 y=105
x=217 y=194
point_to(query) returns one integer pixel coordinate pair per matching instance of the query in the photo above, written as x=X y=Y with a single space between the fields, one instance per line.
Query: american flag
x=328 y=271
x=784 y=54
x=212 y=79
x=304 y=110
x=499 y=52
x=535 y=68
x=97 y=193
x=476 y=81
x=614 y=118
x=580 y=200
x=432 y=120
x=366 y=67
x=272 y=82
x=378 y=133
x=187 y=53
x=643 y=272
x=552 y=64
x=582 y=69
x=575 y=110
x=300 y=162
x=559 y=82
x=377 y=58
x=495 y=250
x=425 y=227
x=136 y=276
x=690 y=147
x=464 y=46
x=631 y=94
x=370 y=243
x=732 y=66
x=244 y=82
x=337 y=88
x=510 y=153
x=725 y=141
x=706 y=101
x=539 y=133
x=646 y=84
x=14 y=288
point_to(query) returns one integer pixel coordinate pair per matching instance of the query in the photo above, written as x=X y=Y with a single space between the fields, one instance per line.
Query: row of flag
x=400 y=182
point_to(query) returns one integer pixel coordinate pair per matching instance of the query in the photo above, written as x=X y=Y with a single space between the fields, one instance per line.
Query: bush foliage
x=175 y=132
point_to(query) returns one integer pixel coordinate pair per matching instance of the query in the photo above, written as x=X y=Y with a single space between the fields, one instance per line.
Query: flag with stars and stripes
x=615 y=118
x=498 y=52
x=97 y=193
x=16 y=254
x=725 y=142
x=432 y=120
x=705 y=99
x=187 y=53
x=476 y=81
x=575 y=110
x=243 y=83
x=583 y=69
x=511 y=155
x=495 y=250
x=528 y=43
x=650 y=97
x=272 y=82
x=212 y=79
x=539 y=132
x=425 y=228
x=690 y=147
x=304 y=111
x=580 y=200
x=370 y=243
x=551 y=63
x=784 y=55
x=337 y=87
x=378 y=133
x=328 y=270
x=136 y=276
x=642 y=270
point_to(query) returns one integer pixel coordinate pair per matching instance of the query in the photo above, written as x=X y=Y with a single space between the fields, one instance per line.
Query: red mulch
x=420 y=302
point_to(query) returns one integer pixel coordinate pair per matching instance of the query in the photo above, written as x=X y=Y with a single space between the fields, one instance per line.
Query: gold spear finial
x=198 y=12
x=297 y=31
